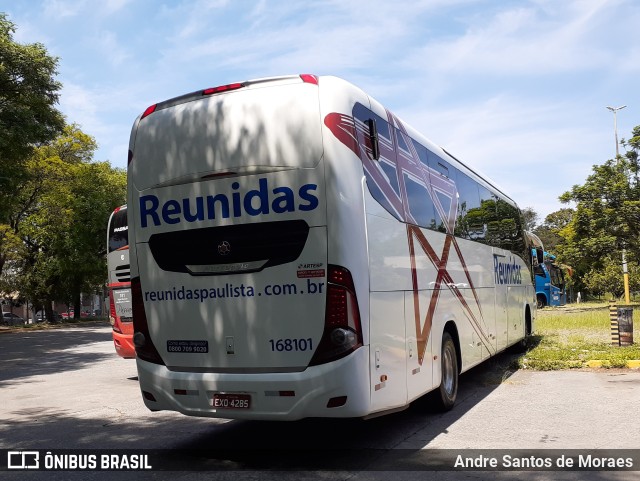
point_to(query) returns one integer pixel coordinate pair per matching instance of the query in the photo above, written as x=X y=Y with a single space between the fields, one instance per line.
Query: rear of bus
x=119 y=283
x=242 y=308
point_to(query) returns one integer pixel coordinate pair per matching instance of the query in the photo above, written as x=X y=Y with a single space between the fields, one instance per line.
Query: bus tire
x=448 y=389
x=542 y=301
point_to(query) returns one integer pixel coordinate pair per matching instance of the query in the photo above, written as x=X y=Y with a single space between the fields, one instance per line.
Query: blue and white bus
x=550 y=283
x=299 y=251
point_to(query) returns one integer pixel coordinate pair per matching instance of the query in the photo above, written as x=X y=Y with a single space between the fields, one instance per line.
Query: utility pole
x=625 y=271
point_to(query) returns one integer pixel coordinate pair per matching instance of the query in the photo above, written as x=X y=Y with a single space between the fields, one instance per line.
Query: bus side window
x=469 y=222
x=422 y=154
x=445 y=175
x=512 y=220
x=420 y=203
x=402 y=144
x=488 y=214
x=386 y=163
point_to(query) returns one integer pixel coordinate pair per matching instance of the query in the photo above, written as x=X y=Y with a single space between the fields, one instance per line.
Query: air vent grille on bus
x=123 y=273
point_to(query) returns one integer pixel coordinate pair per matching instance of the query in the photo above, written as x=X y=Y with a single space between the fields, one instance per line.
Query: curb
x=633 y=364
x=45 y=326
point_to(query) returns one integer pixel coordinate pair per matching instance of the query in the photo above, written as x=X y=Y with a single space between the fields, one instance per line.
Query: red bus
x=119 y=283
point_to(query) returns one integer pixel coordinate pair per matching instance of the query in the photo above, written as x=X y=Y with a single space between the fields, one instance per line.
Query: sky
x=516 y=89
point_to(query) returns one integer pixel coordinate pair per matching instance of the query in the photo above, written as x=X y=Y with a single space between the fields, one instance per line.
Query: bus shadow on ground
x=49 y=352
x=344 y=444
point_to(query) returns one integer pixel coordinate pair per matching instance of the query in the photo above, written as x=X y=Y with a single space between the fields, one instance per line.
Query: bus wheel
x=541 y=301
x=449 y=366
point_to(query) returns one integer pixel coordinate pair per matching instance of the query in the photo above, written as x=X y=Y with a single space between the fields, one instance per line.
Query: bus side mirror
x=373 y=139
x=540 y=256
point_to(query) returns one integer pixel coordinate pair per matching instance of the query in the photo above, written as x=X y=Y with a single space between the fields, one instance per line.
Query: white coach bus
x=298 y=251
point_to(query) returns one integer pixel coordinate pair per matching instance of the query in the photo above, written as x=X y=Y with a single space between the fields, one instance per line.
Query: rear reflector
x=185 y=392
x=280 y=393
x=336 y=402
x=148 y=396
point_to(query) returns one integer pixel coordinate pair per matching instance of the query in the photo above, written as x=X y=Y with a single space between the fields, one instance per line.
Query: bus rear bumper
x=123 y=344
x=337 y=389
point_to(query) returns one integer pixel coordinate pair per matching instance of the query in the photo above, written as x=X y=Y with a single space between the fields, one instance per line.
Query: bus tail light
x=342 y=329
x=145 y=349
x=149 y=110
x=310 y=79
x=112 y=314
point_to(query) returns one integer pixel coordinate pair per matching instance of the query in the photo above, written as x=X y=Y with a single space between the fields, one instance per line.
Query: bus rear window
x=246 y=131
x=118 y=231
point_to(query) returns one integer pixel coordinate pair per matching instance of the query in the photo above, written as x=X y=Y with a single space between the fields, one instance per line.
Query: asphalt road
x=67 y=389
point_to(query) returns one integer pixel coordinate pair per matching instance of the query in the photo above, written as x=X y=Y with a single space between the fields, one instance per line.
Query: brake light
x=222 y=88
x=342 y=328
x=145 y=349
x=310 y=79
x=112 y=314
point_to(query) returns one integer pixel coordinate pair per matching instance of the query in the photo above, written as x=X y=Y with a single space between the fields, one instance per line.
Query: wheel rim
x=447 y=371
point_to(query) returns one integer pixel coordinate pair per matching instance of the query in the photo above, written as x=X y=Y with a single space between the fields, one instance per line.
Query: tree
x=530 y=217
x=607 y=278
x=607 y=214
x=28 y=95
x=62 y=222
x=38 y=221
x=97 y=189
x=632 y=147
x=28 y=118
x=550 y=231
x=606 y=218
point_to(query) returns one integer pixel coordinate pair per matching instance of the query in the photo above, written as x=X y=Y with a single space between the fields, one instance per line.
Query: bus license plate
x=231 y=401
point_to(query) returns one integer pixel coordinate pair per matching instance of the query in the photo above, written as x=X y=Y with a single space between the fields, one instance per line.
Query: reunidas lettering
x=222 y=206
x=506 y=271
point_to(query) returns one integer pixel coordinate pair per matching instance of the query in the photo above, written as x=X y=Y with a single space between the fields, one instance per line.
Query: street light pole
x=625 y=271
x=615 y=125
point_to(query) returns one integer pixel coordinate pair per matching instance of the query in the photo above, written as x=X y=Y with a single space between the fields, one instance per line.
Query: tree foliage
x=607 y=278
x=28 y=118
x=54 y=199
x=61 y=220
x=550 y=230
x=28 y=95
x=530 y=218
x=605 y=221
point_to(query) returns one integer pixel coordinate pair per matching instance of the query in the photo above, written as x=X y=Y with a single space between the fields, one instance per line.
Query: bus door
x=502 y=293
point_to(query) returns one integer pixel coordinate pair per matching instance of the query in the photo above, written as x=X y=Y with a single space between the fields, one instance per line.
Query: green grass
x=569 y=337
